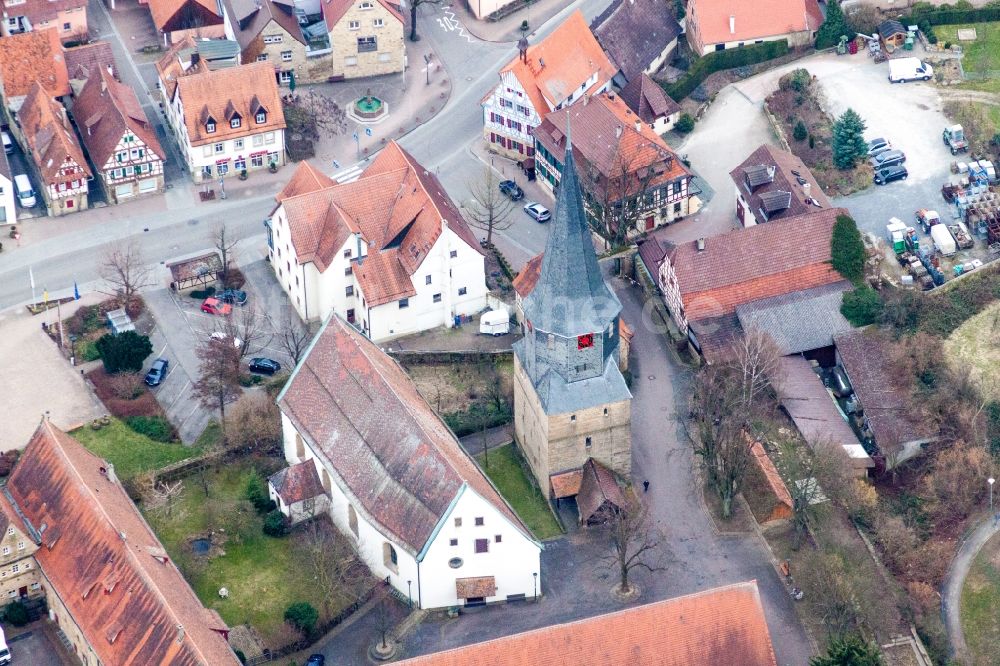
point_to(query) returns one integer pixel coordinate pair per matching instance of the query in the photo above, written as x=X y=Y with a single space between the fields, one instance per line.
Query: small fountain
x=368 y=109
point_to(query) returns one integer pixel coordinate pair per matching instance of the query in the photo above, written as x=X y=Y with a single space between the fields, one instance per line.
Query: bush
x=124 y=352
x=144 y=405
x=472 y=419
x=800 y=132
x=275 y=524
x=85 y=320
x=847 y=250
x=717 y=61
x=7 y=461
x=86 y=351
x=849 y=651
x=797 y=80
x=126 y=385
x=17 y=614
x=685 y=123
x=239 y=655
x=941 y=16
x=157 y=428
x=255 y=492
x=201 y=294
x=249 y=379
x=862 y=306
x=302 y=616
x=812 y=141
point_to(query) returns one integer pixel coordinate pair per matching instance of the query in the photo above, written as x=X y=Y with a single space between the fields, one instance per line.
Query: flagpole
x=62 y=342
x=31 y=278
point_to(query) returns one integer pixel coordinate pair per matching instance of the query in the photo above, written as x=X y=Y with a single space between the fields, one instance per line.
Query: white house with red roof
x=389 y=252
x=397 y=483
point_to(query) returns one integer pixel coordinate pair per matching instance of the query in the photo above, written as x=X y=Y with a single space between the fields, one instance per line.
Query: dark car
x=888 y=158
x=158 y=372
x=889 y=174
x=264 y=366
x=316 y=660
x=512 y=190
x=233 y=297
x=880 y=145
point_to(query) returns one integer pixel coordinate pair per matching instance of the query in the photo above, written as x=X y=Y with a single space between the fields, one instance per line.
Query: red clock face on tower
x=585 y=341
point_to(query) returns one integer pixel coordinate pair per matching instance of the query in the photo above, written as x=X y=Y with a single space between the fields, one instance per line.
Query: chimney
x=541 y=63
x=195 y=58
x=732 y=24
x=180 y=633
x=700 y=244
x=586 y=98
x=611 y=95
x=618 y=132
x=638 y=126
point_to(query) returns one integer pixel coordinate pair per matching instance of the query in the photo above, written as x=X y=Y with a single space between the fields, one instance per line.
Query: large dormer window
x=210 y=126
x=235 y=122
x=261 y=117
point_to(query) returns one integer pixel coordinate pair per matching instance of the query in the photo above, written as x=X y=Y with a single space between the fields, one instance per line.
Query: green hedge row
x=954 y=16
x=720 y=60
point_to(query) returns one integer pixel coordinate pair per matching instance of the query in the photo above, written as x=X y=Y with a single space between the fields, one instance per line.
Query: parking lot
x=181 y=327
x=38 y=647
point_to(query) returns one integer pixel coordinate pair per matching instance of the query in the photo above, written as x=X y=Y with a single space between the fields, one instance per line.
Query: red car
x=214 y=306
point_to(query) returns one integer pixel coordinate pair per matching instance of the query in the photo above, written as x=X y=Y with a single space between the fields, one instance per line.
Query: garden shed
x=600 y=497
x=892 y=33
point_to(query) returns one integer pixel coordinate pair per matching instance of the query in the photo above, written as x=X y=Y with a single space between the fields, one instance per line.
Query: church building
x=571 y=402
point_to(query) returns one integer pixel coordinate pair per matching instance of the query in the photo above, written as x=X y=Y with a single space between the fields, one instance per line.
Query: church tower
x=570 y=399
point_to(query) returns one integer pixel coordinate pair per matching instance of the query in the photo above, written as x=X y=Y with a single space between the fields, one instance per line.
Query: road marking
x=349 y=175
x=451 y=24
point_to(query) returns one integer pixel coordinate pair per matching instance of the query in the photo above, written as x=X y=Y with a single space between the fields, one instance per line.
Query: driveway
x=181 y=327
x=36 y=379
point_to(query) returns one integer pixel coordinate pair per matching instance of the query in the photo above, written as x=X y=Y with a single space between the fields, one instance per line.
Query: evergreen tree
x=847 y=249
x=833 y=27
x=848 y=140
x=849 y=651
x=800 y=132
x=124 y=352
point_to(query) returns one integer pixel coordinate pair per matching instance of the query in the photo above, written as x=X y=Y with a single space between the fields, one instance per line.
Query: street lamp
x=222 y=185
x=535 y=575
x=991 y=481
x=427 y=68
x=408 y=595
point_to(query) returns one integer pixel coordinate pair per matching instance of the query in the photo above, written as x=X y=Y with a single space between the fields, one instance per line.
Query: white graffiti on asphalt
x=449 y=23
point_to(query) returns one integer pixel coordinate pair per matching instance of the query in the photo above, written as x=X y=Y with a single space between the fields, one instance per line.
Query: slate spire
x=571 y=297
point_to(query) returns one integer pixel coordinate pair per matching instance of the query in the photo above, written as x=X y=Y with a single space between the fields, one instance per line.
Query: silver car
x=537 y=211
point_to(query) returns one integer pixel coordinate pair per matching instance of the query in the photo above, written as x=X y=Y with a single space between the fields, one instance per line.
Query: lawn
x=130 y=452
x=508 y=474
x=980 y=596
x=264 y=575
x=976 y=344
x=981 y=55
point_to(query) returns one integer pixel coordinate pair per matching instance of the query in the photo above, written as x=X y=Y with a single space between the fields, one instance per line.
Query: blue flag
x=76 y=291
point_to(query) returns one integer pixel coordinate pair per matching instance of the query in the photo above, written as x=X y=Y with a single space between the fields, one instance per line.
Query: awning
x=566 y=484
x=479 y=587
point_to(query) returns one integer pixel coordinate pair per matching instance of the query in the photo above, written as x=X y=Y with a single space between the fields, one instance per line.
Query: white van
x=8 y=143
x=494 y=322
x=25 y=195
x=909 y=69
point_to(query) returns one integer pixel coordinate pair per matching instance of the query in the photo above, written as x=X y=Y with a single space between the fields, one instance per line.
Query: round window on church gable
x=455 y=562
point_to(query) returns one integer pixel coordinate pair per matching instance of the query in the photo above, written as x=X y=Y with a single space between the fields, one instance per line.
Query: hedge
x=954 y=16
x=720 y=60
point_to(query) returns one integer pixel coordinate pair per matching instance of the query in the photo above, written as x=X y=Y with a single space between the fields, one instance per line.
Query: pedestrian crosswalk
x=350 y=174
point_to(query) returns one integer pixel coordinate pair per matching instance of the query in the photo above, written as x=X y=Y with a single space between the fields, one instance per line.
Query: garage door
x=148 y=185
x=123 y=191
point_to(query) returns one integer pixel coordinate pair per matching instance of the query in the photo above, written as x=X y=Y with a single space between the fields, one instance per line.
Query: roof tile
x=49 y=136
x=770 y=170
x=754 y=19
x=33 y=56
x=635 y=32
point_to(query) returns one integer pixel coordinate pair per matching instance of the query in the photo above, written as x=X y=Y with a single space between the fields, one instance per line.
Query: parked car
x=8 y=143
x=876 y=146
x=264 y=366
x=537 y=211
x=25 y=193
x=888 y=158
x=214 y=306
x=233 y=297
x=316 y=660
x=889 y=174
x=157 y=372
x=222 y=337
x=512 y=190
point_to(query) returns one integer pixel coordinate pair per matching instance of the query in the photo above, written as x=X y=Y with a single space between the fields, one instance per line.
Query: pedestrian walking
x=645 y=486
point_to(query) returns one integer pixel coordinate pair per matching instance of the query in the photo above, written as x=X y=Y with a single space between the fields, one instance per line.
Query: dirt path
x=951 y=599
x=970 y=96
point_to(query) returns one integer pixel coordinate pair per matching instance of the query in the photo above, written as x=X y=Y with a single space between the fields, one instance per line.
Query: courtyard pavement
x=37 y=379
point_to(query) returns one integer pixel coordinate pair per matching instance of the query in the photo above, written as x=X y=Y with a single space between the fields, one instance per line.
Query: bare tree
x=808 y=472
x=634 y=544
x=383 y=620
x=623 y=196
x=313 y=114
x=225 y=242
x=247 y=325
x=220 y=376
x=727 y=398
x=864 y=18
x=414 y=4
x=293 y=338
x=336 y=570
x=161 y=497
x=489 y=209
x=124 y=268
